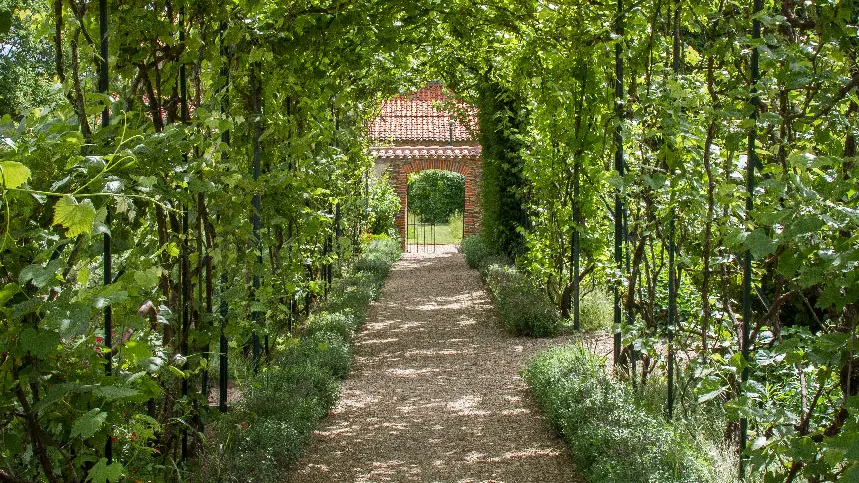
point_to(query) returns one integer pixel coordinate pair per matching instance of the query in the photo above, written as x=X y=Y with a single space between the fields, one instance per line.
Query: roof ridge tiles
x=415 y=117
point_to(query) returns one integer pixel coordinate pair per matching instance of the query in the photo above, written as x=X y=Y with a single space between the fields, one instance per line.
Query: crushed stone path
x=434 y=393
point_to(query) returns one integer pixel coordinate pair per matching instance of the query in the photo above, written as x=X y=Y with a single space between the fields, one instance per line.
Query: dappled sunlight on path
x=434 y=393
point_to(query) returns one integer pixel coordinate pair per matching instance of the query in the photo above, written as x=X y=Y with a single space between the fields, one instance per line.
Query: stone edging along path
x=434 y=393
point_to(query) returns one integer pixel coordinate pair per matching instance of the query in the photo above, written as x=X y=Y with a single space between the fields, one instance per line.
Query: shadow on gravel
x=434 y=393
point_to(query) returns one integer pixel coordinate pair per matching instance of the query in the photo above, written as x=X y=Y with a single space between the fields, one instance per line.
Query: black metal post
x=185 y=270
x=257 y=202
x=107 y=255
x=620 y=168
x=672 y=247
x=576 y=248
x=751 y=161
x=577 y=214
x=672 y=315
x=185 y=277
x=223 y=345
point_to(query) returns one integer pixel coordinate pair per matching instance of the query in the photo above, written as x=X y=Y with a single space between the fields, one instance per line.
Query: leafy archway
x=205 y=165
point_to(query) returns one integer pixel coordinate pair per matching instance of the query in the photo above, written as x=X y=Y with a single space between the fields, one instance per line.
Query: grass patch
x=596 y=313
x=449 y=233
x=614 y=437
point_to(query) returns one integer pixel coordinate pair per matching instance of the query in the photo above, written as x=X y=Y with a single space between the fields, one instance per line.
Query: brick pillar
x=401 y=186
x=471 y=217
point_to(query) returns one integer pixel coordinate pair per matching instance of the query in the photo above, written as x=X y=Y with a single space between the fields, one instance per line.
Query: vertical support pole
x=367 y=199
x=672 y=247
x=225 y=138
x=185 y=270
x=672 y=316
x=328 y=268
x=633 y=356
x=103 y=73
x=576 y=248
x=619 y=166
x=338 y=232
x=750 y=190
x=185 y=277
x=577 y=213
x=103 y=86
x=338 y=218
x=257 y=201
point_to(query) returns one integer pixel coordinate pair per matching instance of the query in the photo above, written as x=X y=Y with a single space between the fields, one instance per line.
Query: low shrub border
x=267 y=430
x=475 y=250
x=523 y=308
x=613 y=438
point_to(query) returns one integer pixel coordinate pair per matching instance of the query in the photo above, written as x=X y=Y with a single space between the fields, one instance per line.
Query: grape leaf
x=103 y=472
x=41 y=276
x=110 y=393
x=712 y=394
x=76 y=217
x=14 y=173
x=88 y=424
x=39 y=343
x=759 y=244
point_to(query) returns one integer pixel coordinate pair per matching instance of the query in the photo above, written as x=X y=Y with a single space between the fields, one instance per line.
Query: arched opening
x=400 y=163
x=436 y=204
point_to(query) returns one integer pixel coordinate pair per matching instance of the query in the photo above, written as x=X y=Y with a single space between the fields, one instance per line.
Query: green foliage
x=596 y=309
x=435 y=195
x=492 y=262
x=351 y=295
x=26 y=62
x=382 y=206
x=502 y=118
x=475 y=250
x=521 y=306
x=612 y=438
x=363 y=283
x=331 y=351
x=281 y=404
x=279 y=407
x=336 y=323
x=299 y=97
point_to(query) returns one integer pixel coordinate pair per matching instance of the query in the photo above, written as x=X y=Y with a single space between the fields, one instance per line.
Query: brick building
x=429 y=129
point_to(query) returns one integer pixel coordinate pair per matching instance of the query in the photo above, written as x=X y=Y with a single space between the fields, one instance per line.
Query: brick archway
x=402 y=161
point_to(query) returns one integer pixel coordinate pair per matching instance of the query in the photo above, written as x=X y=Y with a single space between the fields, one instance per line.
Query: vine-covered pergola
x=182 y=182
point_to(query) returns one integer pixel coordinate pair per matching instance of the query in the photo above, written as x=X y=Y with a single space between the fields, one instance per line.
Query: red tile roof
x=427 y=152
x=424 y=117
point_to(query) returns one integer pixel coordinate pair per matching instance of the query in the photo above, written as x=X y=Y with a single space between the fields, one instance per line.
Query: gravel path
x=435 y=393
